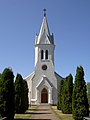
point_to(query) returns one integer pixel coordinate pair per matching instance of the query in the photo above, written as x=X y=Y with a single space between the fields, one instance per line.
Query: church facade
x=43 y=82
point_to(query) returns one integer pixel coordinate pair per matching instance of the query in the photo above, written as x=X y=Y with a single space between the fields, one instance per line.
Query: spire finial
x=44 y=11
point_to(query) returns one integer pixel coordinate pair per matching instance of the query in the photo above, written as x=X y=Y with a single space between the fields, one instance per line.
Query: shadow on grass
x=43 y=109
x=32 y=109
x=32 y=119
x=36 y=113
x=39 y=109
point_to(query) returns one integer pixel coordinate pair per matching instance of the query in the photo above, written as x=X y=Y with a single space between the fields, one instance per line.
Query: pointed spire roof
x=44 y=36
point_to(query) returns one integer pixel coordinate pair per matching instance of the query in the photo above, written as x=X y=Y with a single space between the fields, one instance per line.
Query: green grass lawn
x=27 y=114
x=61 y=115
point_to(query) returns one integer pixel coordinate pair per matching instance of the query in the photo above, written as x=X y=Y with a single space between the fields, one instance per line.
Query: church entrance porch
x=44 y=96
x=44 y=91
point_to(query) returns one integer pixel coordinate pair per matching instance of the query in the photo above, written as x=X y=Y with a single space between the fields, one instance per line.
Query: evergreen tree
x=21 y=94
x=0 y=75
x=80 y=106
x=88 y=92
x=25 y=100
x=64 y=93
x=7 y=94
x=0 y=95
x=59 y=104
x=70 y=91
x=67 y=95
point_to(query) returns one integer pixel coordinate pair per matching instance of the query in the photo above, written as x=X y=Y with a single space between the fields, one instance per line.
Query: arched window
x=46 y=54
x=42 y=54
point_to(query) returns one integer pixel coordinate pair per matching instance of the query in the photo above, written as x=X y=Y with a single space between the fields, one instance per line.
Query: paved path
x=44 y=112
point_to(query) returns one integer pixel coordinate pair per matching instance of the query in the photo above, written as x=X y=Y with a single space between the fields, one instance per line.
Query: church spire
x=44 y=36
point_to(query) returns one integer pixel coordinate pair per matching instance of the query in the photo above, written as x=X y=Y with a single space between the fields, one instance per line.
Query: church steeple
x=44 y=36
x=43 y=83
x=44 y=44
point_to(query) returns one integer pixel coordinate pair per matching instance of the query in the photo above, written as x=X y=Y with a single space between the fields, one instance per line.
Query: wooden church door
x=44 y=96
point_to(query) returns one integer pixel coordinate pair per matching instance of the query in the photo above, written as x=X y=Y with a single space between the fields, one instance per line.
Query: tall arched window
x=46 y=54
x=42 y=54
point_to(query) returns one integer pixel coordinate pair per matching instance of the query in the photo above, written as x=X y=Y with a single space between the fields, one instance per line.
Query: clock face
x=44 y=67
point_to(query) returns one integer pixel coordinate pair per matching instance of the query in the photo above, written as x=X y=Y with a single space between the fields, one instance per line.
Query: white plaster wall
x=39 y=73
x=49 y=73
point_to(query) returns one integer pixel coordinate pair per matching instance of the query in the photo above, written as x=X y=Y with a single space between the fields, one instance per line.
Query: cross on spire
x=44 y=11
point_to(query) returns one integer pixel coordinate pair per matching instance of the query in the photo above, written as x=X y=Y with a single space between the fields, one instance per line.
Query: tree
x=67 y=95
x=0 y=75
x=80 y=106
x=70 y=91
x=0 y=95
x=88 y=92
x=25 y=102
x=7 y=94
x=21 y=94
x=59 y=104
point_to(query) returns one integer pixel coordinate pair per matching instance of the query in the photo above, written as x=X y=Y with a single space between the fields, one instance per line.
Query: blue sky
x=69 y=20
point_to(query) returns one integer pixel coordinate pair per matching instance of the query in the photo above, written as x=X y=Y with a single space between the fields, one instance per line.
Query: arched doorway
x=44 y=96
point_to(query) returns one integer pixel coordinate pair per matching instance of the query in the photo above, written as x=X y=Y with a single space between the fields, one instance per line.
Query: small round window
x=44 y=67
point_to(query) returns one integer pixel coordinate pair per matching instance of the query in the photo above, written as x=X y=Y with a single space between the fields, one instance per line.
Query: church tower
x=43 y=83
x=44 y=50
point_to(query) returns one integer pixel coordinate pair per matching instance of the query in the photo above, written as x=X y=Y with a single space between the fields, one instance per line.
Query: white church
x=43 y=82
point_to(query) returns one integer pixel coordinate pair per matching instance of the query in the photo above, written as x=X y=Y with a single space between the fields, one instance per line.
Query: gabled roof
x=44 y=36
x=30 y=77
x=43 y=81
